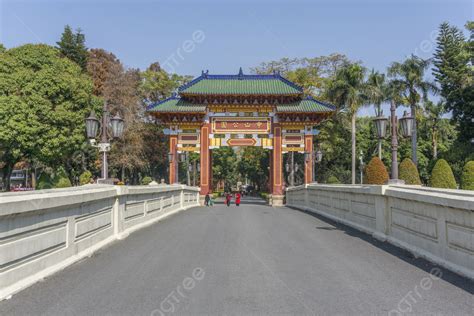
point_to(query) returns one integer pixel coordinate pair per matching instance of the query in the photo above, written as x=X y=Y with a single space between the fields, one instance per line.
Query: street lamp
x=116 y=124
x=362 y=165
x=381 y=126
x=406 y=127
x=319 y=155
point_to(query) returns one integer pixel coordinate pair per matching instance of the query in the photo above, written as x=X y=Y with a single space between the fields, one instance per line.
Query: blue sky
x=237 y=33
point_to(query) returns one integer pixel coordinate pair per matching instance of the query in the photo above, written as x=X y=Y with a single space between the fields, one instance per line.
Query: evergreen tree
x=72 y=45
x=451 y=70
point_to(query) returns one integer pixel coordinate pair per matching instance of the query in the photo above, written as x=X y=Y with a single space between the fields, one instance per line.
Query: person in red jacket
x=237 y=199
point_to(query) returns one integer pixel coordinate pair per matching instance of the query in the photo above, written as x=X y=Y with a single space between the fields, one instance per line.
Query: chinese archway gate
x=241 y=110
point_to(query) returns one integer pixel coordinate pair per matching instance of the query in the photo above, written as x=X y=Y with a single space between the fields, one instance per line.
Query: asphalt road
x=247 y=260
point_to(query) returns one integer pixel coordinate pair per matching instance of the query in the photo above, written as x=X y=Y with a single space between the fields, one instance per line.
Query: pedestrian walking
x=228 y=199
x=207 y=199
x=237 y=198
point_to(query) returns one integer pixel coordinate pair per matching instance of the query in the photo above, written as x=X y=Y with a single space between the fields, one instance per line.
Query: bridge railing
x=437 y=224
x=44 y=231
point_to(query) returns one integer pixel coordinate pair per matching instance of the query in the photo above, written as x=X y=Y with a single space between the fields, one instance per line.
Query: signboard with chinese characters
x=239 y=125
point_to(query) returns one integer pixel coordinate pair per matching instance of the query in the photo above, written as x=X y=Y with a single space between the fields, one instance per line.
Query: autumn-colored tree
x=376 y=173
x=102 y=66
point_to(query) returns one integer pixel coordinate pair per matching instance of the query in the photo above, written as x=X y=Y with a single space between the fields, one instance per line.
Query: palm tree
x=434 y=114
x=409 y=75
x=376 y=91
x=348 y=90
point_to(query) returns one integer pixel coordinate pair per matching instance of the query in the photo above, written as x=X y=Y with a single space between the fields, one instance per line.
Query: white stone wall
x=436 y=224
x=42 y=232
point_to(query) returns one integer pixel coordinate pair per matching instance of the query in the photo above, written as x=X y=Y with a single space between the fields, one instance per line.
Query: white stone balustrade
x=437 y=224
x=42 y=232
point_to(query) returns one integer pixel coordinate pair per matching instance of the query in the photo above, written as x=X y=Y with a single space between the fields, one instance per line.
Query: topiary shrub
x=376 y=173
x=61 y=179
x=442 y=176
x=467 y=178
x=146 y=180
x=333 y=180
x=44 y=182
x=63 y=183
x=85 y=177
x=408 y=172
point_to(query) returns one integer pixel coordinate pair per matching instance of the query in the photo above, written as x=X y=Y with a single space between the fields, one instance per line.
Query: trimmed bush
x=146 y=180
x=333 y=180
x=61 y=180
x=63 y=183
x=442 y=176
x=467 y=178
x=85 y=177
x=44 y=182
x=408 y=172
x=376 y=173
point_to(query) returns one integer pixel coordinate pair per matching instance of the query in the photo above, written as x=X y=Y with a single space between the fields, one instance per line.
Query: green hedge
x=408 y=172
x=467 y=178
x=442 y=176
x=85 y=177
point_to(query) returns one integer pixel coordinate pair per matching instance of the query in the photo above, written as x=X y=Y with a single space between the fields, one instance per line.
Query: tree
x=156 y=84
x=442 y=176
x=102 y=66
x=312 y=74
x=224 y=166
x=253 y=165
x=43 y=101
x=376 y=173
x=453 y=70
x=467 y=180
x=434 y=114
x=72 y=45
x=409 y=76
x=376 y=91
x=408 y=172
x=347 y=90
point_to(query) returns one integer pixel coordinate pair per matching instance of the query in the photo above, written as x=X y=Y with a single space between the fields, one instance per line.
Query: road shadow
x=421 y=263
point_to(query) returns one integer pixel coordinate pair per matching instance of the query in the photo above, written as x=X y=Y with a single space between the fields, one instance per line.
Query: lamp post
x=406 y=128
x=317 y=157
x=92 y=128
x=362 y=165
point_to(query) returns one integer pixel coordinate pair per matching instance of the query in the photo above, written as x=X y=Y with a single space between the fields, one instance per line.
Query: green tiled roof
x=241 y=84
x=174 y=104
x=306 y=105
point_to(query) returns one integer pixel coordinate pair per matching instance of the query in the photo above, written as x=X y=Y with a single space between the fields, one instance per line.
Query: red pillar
x=308 y=164
x=210 y=172
x=205 y=160
x=270 y=171
x=173 y=164
x=277 y=176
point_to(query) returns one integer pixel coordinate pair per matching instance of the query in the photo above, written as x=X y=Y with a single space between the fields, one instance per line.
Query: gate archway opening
x=266 y=111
